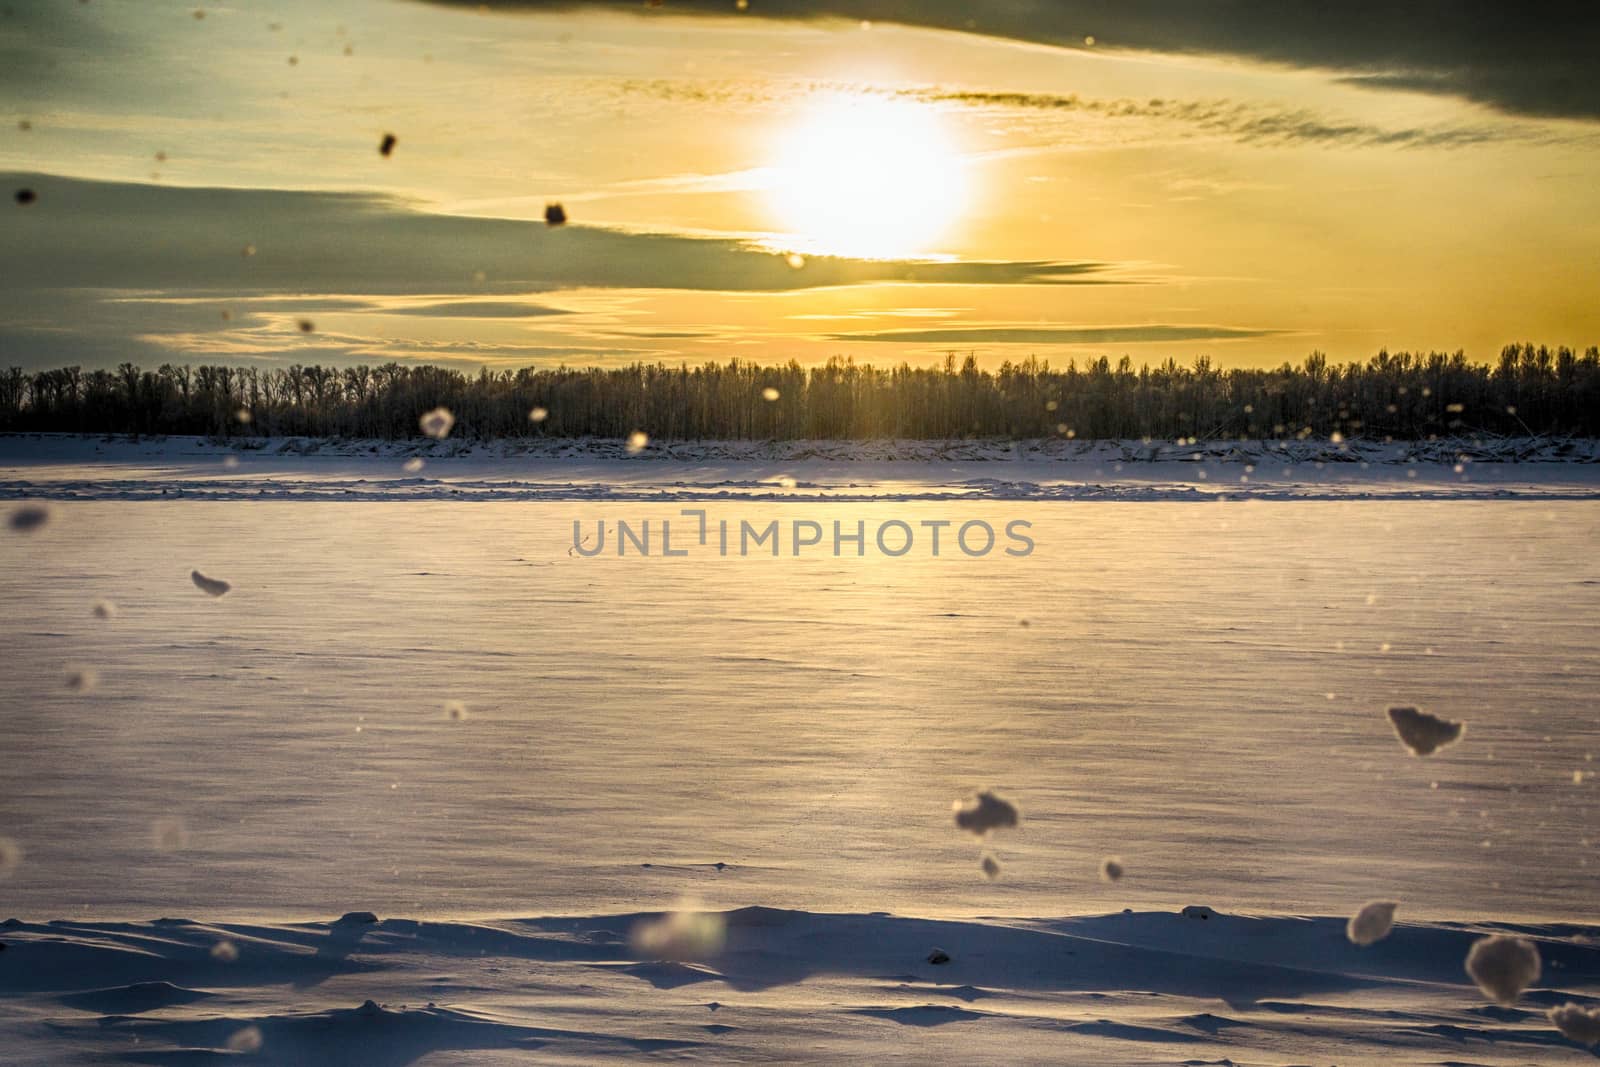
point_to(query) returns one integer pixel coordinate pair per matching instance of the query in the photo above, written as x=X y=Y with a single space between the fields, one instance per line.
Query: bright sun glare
x=868 y=177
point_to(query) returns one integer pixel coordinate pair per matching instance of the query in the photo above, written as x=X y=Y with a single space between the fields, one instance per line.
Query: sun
x=868 y=177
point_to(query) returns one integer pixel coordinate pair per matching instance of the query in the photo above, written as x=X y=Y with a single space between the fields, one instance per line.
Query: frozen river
x=1197 y=687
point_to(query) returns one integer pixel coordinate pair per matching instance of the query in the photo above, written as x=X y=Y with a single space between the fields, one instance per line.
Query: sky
x=886 y=180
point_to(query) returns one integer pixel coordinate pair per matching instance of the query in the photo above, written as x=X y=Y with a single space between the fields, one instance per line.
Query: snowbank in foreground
x=786 y=985
x=72 y=467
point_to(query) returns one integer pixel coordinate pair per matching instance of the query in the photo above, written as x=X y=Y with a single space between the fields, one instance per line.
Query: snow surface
x=786 y=986
x=74 y=467
x=1199 y=689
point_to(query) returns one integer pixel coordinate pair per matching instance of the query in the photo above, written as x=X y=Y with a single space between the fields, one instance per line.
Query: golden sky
x=743 y=185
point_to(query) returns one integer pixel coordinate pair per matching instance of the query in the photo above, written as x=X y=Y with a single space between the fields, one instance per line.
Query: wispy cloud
x=1247 y=123
x=1251 y=122
x=1057 y=335
x=475 y=309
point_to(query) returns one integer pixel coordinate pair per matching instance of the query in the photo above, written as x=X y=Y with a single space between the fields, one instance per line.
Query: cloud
x=1057 y=335
x=476 y=309
x=108 y=235
x=1246 y=123
x=1533 y=58
x=96 y=273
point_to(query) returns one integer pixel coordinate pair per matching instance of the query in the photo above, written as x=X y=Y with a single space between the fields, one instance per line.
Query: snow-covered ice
x=779 y=739
x=60 y=466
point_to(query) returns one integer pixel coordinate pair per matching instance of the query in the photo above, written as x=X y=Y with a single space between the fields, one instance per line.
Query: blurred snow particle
x=681 y=936
x=454 y=709
x=1372 y=922
x=26 y=196
x=209 y=586
x=29 y=517
x=555 y=215
x=938 y=956
x=83 y=680
x=437 y=423
x=412 y=465
x=1577 y=1023
x=246 y=1040
x=225 y=951
x=105 y=609
x=230 y=463
x=386 y=146
x=991 y=867
x=636 y=442
x=796 y=260
x=786 y=481
x=1111 y=868
x=769 y=394
x=243 y=416
x=306 y=325
x=1503 y=966
x=984 y=812
x=1422 y=733
x=169 y=834
x=10 y=857
x=537 y=415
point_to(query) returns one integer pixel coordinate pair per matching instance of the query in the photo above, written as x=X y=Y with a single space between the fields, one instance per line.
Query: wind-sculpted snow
x=1134 y=987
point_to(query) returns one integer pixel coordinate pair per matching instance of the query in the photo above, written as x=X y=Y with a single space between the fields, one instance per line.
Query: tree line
x=1404 y=396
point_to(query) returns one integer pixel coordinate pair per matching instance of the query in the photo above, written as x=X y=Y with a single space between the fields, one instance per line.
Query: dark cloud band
x=87 y=234
x=1533 y=58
